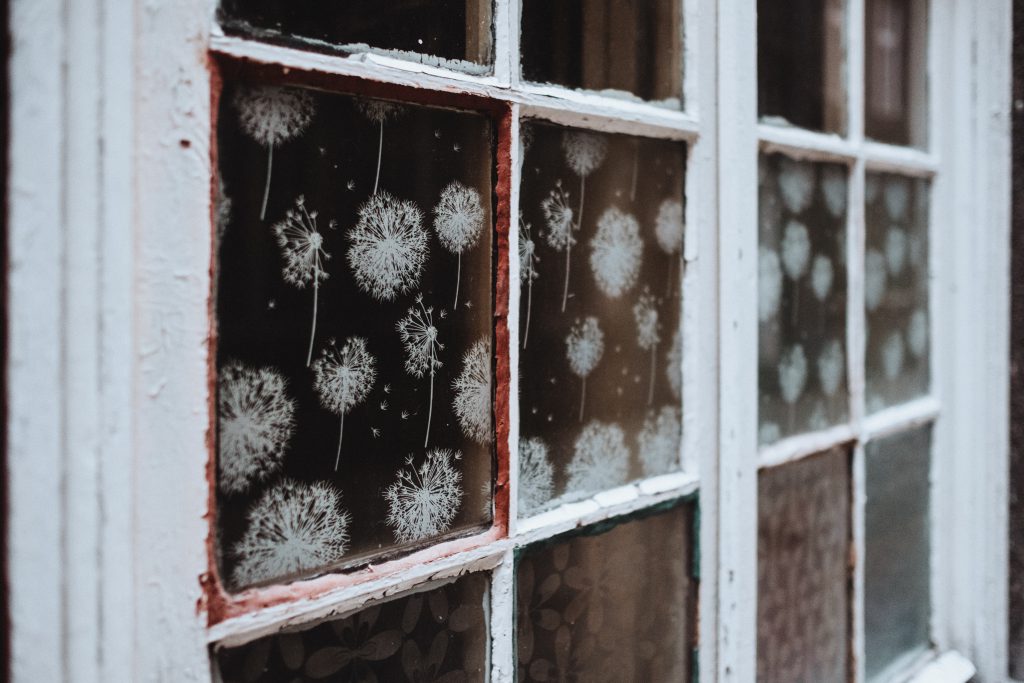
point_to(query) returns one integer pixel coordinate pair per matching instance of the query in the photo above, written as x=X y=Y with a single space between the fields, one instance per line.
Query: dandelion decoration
x=527 y=268
x=255 y=419
x=830 y=367
x=616 y=252
x=379 y=111
x=472 y=402
x=897 y=198
x=424 y=500
x=584 y=347
x=600 y=458
x=769 y=284
x=419 y=336
x=304 y=256
x=796 y=183
x=271 y=115
x=658 y=441
x=875 y=278
x=892 y=355
x=389 y=247
x=222 y=209
x=793 y=373
x=584 y=153
x=645 y=313
x=536 y=476
x=293 y=528
x=833 y=187
x=917 y=333
x=342 y=378
x=821 y=277
x=458 y=221
x=674 y=365
x=896 y=251
x=668 y=229
x=796 y=256
x=558 y=217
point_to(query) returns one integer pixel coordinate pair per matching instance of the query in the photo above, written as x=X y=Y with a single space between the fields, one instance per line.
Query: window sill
x=949 y=667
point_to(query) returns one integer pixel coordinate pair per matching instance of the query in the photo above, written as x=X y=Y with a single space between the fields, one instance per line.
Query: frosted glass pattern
x=896 y=289
x=440 y=635
x=895 y=66
x=632 y=46
x=613 y=606
x=354 y=329
x=803 y=582
x=600 y=247
x=897 y=603
x=801 y=297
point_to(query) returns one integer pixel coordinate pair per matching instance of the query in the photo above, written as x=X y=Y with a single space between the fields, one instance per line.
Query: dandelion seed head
x=796 y=250
x=584 y=346
x=343 y=376
x=645 y=313
x=658 y=441
x=833 y=188
x=674 y=365
x=796 y=183
x=458 y=217
x=558 y=217
x=302 y=246
x=875 y=278
x=388 y=247
x=527 y=252
x=378 y=111
x=420 y=339
x=831 y=364
x=896 y=250
x=821 y=277
x=600 y=458
x=536 y=476
x=616 y=252
x=897 y=198
x=793 y=373
x=668 y=226
x=584 y=152
x=769 y=283
x=892 y=355
x=424 y=500
x=917 y=333
x=472 y=399
x=222 y=209
x=271 y=114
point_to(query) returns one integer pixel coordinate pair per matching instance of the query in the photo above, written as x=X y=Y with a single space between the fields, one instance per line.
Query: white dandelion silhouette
x=796 y=183
x=584 y=153
x=222 y=209
x=769 y=432
x=830 y=367
x=536 y=476
x=821 y=277
x=674 y=365
x=892 y=355
x=472 y=400
x=379 y=111
x=584 y=347
x=769 y=283
x=342 y=378
x=897 y=198
x=917 y=333
x=424 y=500
x=255 y=420
x=616 y=252
x=419 y=336
x=600 y=458
x=658 y=441
x=896 y=250
x=793 y=373
x=458 y=221
x=527 y=268
x=875 y=276
x=293 y=528
x=271 y=115
x=558 y=217
x=389 y=247
x=668 y=229
x=833 y=187
x=304 y=256
x=796 y=250
x=645 y=313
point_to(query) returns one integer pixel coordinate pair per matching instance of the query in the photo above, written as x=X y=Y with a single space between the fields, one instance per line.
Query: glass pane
x=895 y=84
x=601 y=231
x=896 y=289
x=439 y=636
x=633 y=46
x=801 y=63
x=429 y=31
x=354 y=326
x=801 y=296
x=584 y=616
x=897 y=603
x=803 y=582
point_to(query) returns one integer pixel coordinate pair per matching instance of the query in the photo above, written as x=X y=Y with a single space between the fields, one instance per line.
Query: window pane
x=584 y=616
x=801 y=62
x=803 y=552
x=896 y=289
x=801 y=296
x=601 y=230
x=440 y=635
x=897 y=603
x=458 y=30
x=633 y=46
x=895 y=91
x=354 y=326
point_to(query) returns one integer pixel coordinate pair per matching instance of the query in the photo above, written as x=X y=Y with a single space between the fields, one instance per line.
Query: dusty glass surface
x=895 y=69
x=801 y=63
x=803 y=575
x=440 y=635
x=601 y=233
x=897 y=600
x=354 y=329
x=896 y=289
x=801 y=296
x=634 y=46
x=431 y=31
x=583 y=615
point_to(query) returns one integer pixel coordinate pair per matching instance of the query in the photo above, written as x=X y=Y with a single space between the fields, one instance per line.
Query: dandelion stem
x=266 y=185
x=583 y=396
x=650 y=386
x=565 y=291
x=312 y=332
x=529 y=305
x=430 y=410
x=583 y=191
x=458 y=279
x=341 y=433
x=380 y=152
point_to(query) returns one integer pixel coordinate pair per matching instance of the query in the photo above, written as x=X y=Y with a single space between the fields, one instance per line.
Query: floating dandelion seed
x=600 y=458
x=584 y=347
x=793 y=373
x=472 y=401
x=383 y=405
x=379 y=111
x=271 y=115
x=558 y=217
x=304 y=256
x=833 y=187
x=668 y=229
x=293 y=528
x=892 y=355
x=527 y=268
x=875 y=277
x=796 y=183
x=342 y=378
x=375 y=432
x=658 y=441
x=255 y=419
x=419 y=336
x=674 y=365
x=536 y=476
x=645 y=312
x=616 y=252
x=821 y=277
x=424 y=500
x=769 y=284
x=389 y=247
x=830 y=367
x=458 y=221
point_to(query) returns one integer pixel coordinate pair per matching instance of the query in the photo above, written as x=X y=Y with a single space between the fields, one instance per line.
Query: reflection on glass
x=803 y=552
x=896 y=561
x=353 y=309
x=801 y=63
x=896 y=289
x=634 y=46
x=431 y=31
x=614 y=606
x=601 y=232
x=895 y=87
x=440 y=635
x=801 y=296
